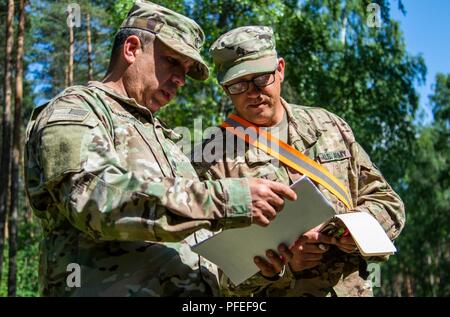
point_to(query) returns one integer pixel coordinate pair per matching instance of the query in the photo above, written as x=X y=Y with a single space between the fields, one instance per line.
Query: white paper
x=368 y=234
x=233 y=250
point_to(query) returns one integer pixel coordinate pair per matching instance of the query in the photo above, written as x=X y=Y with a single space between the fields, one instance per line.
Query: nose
x=179 y=78
x=253 y=90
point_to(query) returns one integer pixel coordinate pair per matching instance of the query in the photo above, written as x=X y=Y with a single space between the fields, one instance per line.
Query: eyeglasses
x=259 y=81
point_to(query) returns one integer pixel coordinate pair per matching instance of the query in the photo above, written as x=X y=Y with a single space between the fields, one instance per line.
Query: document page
x=233 y=250
x=368 y=234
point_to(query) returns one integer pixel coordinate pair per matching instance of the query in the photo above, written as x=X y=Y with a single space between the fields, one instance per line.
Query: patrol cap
x=244 y=50
x=175 y=30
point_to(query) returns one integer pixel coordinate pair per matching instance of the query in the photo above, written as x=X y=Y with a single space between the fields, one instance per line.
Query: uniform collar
x=301 y=134
x=120 y=98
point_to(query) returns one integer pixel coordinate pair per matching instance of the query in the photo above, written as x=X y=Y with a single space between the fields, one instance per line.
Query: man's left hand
x=346 y=244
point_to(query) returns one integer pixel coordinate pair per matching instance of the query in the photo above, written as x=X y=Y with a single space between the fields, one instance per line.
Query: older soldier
x=113 y=192
x=251 y=74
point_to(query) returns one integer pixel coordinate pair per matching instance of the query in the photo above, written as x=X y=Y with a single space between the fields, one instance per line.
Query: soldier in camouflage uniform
x=251 y=74
x=114 y=194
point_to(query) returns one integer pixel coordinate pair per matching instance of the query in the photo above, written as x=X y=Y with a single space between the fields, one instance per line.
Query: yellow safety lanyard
x=288 y=155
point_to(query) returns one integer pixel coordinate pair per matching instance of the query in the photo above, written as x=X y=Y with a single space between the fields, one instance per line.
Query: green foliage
x=28 y=258
x=421 y=266
x=441 y=100
x=363 y=74
x=333 y=60
x=29 y=235
x=48 y=45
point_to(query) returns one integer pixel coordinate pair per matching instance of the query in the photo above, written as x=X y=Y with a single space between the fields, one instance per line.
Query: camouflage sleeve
x=76 y=163
x=373 y=194
x=246 y=289
x=254 y=285
x=376 y=196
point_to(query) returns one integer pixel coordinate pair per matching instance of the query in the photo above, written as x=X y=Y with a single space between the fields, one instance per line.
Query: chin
x=263 y=123
x=153 y=108
x=262 y=115
x=259 y=120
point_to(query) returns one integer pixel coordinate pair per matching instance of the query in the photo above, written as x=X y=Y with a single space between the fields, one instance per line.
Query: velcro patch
x=68 y=114
x=333 y=156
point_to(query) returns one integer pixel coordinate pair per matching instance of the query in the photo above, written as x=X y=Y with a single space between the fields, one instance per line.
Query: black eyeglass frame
x=268 y=83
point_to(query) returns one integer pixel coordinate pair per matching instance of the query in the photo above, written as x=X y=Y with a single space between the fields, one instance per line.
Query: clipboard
x=233 y=250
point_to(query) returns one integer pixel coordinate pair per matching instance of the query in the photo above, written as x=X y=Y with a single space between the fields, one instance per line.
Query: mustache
x=256 y=101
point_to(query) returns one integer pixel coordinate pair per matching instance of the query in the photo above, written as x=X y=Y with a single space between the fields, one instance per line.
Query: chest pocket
x=337 y=162
x=156 y=152
x=257 y=163
x=180 y=163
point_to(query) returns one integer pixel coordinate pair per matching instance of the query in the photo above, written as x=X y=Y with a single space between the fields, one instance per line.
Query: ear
x=131 y=47
x=280 y=68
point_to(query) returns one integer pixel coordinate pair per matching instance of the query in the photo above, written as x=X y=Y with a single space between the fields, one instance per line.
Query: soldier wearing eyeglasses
x=251 y=73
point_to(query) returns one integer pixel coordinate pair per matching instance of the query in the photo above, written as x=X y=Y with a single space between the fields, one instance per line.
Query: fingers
x=275 y=260
x=304 y=261
x=263 y=213
x=283 y=190
x=264 y=266
x=312 y=248
x=316 y=229
x=323 y=247
x=260 y=220
x=265 y=202
x=271 y=267
x=268 y=211
x=347 y=240
x=266 y=199
x=310 y=265
x=285 y=252
x=308 y=252
x=312 y=257
x=347 y=249
x=347 y=244
x=316 y=237
x=276 y=202
x=272 y=197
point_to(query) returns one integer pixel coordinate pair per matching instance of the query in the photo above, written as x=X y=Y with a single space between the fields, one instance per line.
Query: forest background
x=348 y=56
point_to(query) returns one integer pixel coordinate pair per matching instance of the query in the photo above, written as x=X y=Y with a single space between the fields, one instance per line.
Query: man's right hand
x=305 y=253
x=267 y=199
x=308 y=250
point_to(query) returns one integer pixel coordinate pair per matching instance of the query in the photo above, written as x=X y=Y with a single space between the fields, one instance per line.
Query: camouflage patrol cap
x=244 y=50
x=175 y=30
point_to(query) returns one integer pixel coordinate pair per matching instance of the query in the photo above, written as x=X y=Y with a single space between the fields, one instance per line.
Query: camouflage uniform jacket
x=117 y=197
x=327 y=139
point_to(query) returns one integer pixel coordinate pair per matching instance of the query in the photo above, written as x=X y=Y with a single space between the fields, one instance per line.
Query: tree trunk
x=70 y=65
x=343 y=33
x=6 y=136
x=431 y=276
x=12 y=226
x=89 y=47
x=66 y=76
x=409 y=285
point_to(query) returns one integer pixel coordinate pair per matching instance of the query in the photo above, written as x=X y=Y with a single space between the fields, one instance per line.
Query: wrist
x=276 y=276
